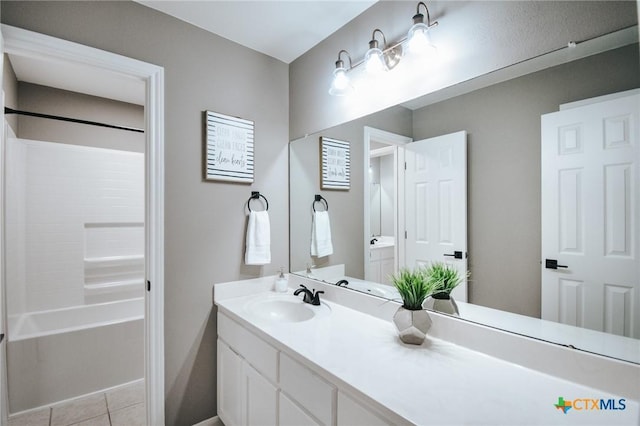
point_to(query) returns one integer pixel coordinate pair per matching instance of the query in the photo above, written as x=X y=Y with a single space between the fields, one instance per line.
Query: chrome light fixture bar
x=379 y=60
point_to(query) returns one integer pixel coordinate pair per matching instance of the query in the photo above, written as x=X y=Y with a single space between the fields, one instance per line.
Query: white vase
x=412 y=325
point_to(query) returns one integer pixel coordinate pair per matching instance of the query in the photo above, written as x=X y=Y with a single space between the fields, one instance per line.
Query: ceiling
x=282 y=29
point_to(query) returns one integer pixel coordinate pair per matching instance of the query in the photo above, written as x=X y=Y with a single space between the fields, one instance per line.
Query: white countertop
x=435 y=383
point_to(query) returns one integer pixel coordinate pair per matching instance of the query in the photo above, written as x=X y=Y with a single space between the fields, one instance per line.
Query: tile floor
x=119 y=407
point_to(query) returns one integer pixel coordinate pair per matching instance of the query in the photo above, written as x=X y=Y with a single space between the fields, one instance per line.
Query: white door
x=436 y=203
x=590 y=207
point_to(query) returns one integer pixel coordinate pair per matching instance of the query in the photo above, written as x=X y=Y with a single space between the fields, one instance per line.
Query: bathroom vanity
x=281 y=361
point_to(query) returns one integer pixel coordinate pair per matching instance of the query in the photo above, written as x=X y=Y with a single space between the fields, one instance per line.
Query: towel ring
x=255 y=195
x=320 y=198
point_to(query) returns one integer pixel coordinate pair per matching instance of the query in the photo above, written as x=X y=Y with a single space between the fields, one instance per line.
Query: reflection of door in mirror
x=383 y=152
x=590 y=273
x=436 y=204
x=374 y=205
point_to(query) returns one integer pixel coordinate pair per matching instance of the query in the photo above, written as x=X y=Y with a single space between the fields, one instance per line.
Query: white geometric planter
x=442 y=302
x=412 y=325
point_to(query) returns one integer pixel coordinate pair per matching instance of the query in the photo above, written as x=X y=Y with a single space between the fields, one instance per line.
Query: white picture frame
x=229 y=154
x=335 y=164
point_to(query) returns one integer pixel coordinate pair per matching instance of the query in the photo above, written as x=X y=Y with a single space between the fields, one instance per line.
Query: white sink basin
x=285 y=308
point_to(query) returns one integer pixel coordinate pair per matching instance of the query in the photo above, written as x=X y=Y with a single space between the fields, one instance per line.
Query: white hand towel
x=321 y=235
x=258 y=250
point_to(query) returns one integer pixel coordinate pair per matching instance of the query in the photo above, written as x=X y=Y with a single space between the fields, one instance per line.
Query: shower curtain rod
x=72 y=120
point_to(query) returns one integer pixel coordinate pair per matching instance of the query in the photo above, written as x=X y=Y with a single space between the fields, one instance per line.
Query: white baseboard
x=213 y=421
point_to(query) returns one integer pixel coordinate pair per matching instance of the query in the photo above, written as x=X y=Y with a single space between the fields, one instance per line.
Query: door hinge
x=405 y=235
x=148 y=285
x=405 y=165
x=1 y=337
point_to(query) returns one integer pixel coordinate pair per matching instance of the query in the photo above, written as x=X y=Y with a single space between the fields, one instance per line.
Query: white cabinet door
x=352 y=413
x=590 y=205
x=386 y=271
x=230 y=383
x=373 y=271
x=292 y=415
x=260 y=406
x=245 y=397
x=436 y=204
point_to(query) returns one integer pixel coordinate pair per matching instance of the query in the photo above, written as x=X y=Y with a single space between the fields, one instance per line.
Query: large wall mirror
x=504 y=196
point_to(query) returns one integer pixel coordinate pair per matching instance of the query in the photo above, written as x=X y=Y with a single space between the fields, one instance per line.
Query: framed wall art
x=229 y=148
x=335 y=164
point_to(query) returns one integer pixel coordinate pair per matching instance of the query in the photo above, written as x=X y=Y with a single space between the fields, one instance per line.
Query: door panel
x=436 y=203
x=590 y=205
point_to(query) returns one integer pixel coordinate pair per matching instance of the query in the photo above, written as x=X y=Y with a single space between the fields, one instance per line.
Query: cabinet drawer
x=262 y=356
x=307 y=388
x=352 y=413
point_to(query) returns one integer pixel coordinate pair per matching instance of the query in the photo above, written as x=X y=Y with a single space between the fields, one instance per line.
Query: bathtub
x=65 y=353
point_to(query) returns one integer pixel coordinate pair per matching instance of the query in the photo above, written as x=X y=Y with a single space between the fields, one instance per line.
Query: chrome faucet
x=312 y=297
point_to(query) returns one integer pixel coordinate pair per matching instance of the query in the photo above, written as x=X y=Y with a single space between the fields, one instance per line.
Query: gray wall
x=47 y=100
x=475 y=37
x=204 y=221
x=346 y=208
x=503 y=125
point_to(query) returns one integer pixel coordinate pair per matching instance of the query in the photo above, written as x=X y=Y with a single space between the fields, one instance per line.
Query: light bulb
x=374 y=61
x=340 y=86
x=419 y=41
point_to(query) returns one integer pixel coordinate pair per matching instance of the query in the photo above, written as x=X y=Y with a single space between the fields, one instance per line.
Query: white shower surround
x=76 y=218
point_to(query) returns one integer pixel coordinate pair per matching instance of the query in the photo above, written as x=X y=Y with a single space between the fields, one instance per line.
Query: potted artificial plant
x=411 y=319
x=442 y=278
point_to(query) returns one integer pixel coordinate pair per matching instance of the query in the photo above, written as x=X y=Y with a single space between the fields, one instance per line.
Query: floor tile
x=102 y=420
x=125 y=396
x=134 y=415
x=78 y=410
x=33 y=418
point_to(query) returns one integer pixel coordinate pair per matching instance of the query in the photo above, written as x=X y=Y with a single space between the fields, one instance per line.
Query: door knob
x=553 y=264
x=456 y=254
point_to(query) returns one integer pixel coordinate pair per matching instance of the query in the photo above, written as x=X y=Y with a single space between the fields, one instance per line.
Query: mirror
x=504 y=171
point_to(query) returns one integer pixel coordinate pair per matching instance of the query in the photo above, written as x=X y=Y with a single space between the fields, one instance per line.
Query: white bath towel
x=258 y=250
x=321 y=235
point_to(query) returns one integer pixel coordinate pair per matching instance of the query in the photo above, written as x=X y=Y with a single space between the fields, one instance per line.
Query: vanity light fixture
x=418 y=38
x=341 y=86
x=378 y=60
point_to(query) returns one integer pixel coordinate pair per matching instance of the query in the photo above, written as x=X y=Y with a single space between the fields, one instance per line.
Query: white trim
x=397 y=142
x=381 y=152
x=213 y=421
x=27 y=43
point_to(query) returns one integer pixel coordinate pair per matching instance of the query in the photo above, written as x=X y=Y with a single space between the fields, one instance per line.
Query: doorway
x=49 y=53
x=383 y=201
